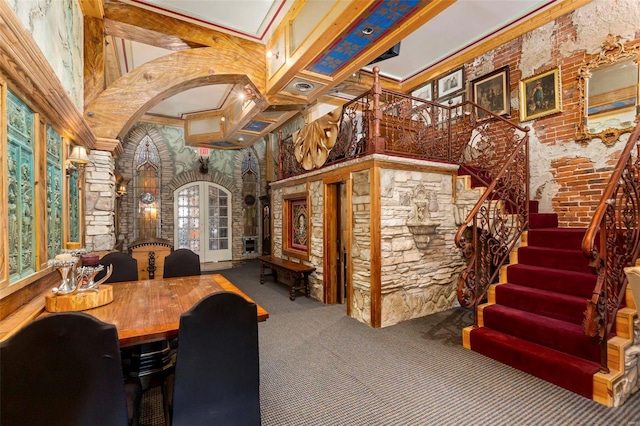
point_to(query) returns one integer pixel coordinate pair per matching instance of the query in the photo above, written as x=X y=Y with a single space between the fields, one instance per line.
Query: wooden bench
x=298 y=273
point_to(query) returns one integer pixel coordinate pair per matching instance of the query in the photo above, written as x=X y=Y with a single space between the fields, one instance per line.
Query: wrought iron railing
x=612 y=242
x=382 y=121
x=494 y=226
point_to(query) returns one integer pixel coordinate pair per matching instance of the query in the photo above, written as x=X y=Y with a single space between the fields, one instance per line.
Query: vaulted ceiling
x=232 y=70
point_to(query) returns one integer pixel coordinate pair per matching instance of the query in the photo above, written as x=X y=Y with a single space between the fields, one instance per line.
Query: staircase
x=533 y=318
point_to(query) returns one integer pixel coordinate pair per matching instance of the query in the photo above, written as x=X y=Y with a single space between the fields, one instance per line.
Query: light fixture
x=271 y=54
x=77 y=159
x=367 y=31
x=303 y=86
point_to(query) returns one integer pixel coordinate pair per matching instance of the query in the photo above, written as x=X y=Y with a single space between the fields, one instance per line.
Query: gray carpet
x=320 y=367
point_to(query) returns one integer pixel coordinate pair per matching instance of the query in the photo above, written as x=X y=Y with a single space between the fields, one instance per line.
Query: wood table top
x=149 y=310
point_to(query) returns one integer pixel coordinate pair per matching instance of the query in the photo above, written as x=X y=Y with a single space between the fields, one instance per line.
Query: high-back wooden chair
x=217 y=376
x=150 y=254
x=181 y=263
x=125 y=267
x=62 y=369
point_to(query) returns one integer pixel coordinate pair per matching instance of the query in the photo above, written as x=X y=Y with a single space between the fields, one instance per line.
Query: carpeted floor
x=320 y=367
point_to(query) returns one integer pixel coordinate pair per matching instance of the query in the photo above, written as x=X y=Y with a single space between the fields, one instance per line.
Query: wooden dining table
x=149 y=310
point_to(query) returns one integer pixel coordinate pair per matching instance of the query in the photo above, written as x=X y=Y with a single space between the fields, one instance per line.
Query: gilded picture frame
x=540 y=95
x=491 y=92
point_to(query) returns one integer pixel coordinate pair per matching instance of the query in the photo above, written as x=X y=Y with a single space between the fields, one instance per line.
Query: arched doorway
x=202 y=215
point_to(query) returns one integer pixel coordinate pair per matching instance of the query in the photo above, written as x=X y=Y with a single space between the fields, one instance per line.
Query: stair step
x=542 y=220
x=569 y=372
x=572 y=260
x=553 y=333
x=550 y=304
x=560 y=238
x=560 y=281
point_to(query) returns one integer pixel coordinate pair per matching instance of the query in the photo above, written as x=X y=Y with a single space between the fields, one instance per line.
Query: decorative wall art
x=299 y=224
x=491 y=92
x=425 y=92
x=450 y=83
x=540 y=95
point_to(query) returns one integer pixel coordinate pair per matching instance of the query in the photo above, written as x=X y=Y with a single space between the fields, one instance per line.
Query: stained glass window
x=147 y=190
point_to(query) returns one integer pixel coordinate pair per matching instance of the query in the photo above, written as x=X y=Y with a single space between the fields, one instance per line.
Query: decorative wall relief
x=54 y=192
x=20 y=187
x=420 y=223
x=313 y=142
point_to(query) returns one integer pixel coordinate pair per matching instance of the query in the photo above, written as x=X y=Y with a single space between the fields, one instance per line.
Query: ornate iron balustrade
x=386 y=122
x=612 y=242
x=494 y=226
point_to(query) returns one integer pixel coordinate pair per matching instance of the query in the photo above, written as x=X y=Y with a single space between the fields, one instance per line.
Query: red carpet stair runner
x=533 y=319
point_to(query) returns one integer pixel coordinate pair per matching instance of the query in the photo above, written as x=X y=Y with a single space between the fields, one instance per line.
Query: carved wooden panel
x=54 y=192
x=20 y=135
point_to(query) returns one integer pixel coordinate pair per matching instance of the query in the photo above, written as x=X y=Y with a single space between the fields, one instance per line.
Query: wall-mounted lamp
x=271 y=54
x=77 y=159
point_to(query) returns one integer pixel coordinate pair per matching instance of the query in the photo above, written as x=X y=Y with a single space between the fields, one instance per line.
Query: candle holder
x=64 y=267
x=86 y=277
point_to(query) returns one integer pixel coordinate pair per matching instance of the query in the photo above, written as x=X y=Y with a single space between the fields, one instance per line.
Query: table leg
x=293 y=281
x=306 y=285
x=261 y=272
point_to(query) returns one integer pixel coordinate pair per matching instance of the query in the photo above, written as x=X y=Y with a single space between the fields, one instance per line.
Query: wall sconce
x=77 y=159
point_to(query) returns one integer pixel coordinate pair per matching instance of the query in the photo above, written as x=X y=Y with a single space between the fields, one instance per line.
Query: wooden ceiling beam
x=145 y=36
x=189 y=33
x=92 y=8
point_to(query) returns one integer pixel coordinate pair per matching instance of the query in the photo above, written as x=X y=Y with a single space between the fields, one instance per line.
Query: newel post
x=377 y=142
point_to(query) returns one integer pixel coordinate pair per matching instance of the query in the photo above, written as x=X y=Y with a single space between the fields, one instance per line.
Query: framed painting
x=296 y=225
x=540 y=95
x=491 y=92
x=299 y=223
x=424 y=92
x=450 y=83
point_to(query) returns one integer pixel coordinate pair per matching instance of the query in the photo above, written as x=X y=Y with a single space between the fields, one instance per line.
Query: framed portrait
x=540 y=95
x=299 y=225
x=450 y=83
x=451 y=101
x=296 y=225
x=491 y=92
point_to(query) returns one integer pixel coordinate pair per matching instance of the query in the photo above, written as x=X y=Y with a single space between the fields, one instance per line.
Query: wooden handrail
x=611 y=243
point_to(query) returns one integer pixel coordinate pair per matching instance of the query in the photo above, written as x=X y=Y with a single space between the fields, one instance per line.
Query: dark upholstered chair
x=63 y=369
x=181 y=263
x=217 y=376
x=125 y=268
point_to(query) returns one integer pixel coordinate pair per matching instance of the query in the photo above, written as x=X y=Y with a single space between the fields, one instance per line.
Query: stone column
x=100 y=196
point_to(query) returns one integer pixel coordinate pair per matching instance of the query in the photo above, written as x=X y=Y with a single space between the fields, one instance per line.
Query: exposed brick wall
x=567 y=176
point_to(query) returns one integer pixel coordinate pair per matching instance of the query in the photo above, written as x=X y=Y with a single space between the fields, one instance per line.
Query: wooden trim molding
x=25 y=66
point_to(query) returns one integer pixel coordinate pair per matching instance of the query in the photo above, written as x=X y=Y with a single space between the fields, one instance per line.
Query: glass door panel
x=213 y=241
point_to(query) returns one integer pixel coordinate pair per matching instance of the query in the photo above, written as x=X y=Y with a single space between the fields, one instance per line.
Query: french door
x=202 y=220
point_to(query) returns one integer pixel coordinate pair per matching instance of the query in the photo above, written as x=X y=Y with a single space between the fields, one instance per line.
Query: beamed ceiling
x=231 y=71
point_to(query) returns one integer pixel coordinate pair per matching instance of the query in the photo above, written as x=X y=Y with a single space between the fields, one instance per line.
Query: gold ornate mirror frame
x=613 y=51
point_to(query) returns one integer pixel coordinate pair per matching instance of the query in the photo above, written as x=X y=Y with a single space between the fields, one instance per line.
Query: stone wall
x=418 y=278
x=361 y=246
x=100 y=199
x=316 y=232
